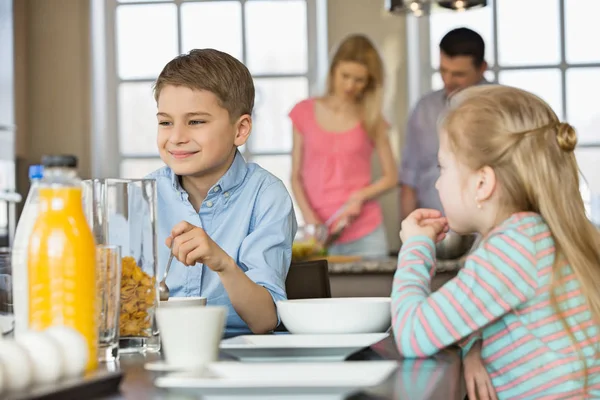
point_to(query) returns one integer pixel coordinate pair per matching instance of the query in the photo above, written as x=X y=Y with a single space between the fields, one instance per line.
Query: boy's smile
x=178 y=154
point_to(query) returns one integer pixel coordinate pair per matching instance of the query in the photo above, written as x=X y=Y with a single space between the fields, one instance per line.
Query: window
x=557 y=59
x=134 y=39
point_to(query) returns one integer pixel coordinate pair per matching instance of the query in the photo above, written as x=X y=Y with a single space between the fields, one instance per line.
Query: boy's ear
x=243 y=126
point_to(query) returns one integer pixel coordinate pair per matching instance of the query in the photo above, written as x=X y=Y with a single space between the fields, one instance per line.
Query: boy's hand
x=424 y=222
x=191 y=245
x=479 y=384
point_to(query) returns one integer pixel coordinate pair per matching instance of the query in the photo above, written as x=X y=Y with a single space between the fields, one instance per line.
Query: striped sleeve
x=499 y=276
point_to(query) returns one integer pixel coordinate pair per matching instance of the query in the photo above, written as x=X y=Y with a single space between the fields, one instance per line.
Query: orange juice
x=62 y=266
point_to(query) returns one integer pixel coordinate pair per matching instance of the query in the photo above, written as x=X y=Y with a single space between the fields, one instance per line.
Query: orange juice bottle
x=62 y=257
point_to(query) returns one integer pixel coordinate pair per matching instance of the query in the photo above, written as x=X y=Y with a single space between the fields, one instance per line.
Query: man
x=462 y=64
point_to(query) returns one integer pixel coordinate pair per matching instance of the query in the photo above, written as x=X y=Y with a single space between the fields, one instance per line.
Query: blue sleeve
x=266 y=252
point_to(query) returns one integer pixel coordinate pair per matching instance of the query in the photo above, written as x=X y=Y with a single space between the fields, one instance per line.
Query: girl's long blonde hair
x=531 y=152
x=359 y=49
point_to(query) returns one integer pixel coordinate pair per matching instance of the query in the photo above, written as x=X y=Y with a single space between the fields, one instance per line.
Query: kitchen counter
x=387 y=266
x=438 y=377
x=374 y=278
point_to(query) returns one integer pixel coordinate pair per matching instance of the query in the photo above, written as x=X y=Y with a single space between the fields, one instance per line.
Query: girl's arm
x=498 y=277
x=310 y=217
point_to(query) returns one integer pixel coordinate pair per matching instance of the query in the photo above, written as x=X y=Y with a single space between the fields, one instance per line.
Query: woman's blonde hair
x=531 y=152
x=359 y=49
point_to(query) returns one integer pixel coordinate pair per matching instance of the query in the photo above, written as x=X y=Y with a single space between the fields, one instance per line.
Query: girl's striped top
x=501 y=296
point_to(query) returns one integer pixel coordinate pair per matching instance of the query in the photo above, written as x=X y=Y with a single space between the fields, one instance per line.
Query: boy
x=230 y=224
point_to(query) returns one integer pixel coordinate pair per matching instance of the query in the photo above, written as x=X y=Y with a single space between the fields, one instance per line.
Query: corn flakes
x=138 y=297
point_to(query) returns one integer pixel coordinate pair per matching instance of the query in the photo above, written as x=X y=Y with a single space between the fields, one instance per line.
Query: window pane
x=438 y=84
x=582 y=28
x=216 y=25
x=587 y=158
x=276 y=36
x=480 y=20
x=138 y=169
x=146 y=39
x=281 y=167
x=521 y=41
x=137 y=119
x=275 y=97
x=140 y=1
x=545 y=83
x=583 y=86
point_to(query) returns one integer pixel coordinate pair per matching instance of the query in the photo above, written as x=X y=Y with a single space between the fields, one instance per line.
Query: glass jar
x=7 y=319
x=122 y=213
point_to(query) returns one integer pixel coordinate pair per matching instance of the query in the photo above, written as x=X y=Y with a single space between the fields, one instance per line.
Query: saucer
x=161 y=366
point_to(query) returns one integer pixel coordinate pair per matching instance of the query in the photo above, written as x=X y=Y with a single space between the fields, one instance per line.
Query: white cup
x=191 y=334
x=183 y=302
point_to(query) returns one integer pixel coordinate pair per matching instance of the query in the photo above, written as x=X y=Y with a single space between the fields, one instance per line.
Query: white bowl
x=183 y=302
x=336 y=315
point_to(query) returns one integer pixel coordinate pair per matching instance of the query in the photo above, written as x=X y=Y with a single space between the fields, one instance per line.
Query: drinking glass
x=7 y=316
x=109 y=300
x=122 y=212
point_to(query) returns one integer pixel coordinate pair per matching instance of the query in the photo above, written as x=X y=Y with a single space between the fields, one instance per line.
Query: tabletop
x=438 y=377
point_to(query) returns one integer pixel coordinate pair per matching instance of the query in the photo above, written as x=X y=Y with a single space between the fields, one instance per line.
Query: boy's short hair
x=214 y=71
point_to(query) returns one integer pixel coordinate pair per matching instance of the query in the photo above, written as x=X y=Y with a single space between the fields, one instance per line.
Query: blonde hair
x=531 y=152
x=214 y=71
x=359 y=49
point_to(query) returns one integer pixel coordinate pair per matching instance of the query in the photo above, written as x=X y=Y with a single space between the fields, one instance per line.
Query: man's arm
x=411 y=156
x=408 y=200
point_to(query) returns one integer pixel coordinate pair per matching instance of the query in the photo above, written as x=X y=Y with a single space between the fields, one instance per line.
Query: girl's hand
x=424 y=222
x=479 y=384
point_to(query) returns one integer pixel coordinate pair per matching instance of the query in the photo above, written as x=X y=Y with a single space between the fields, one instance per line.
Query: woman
x=334 y=139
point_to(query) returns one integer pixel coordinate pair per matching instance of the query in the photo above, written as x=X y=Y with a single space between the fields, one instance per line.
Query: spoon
x=162 y=286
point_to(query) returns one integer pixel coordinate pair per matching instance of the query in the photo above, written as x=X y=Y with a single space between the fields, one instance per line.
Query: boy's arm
x=253 y=303
x=499 y=276
x=264 y=260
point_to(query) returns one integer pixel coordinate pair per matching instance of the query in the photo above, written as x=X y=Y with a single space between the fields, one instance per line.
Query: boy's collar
x=230 y=180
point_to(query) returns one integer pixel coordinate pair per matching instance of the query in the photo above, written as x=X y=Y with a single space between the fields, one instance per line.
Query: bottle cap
x=58 y=161
x=36 y=171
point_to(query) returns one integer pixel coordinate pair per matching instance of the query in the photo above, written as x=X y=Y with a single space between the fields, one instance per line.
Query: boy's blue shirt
x=249 y=214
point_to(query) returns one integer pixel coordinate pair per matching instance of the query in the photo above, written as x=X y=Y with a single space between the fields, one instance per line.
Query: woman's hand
x=424 y=222
x=352 y=210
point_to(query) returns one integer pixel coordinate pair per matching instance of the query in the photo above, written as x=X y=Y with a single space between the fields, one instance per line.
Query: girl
x=527 y=302
x=334 y=139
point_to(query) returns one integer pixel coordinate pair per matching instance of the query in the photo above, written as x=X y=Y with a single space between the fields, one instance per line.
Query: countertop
x=386 y=266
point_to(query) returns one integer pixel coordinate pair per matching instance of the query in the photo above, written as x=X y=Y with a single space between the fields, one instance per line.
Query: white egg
x=73 y=348
x=2 y=377
x=17 y=365
x=46 y=358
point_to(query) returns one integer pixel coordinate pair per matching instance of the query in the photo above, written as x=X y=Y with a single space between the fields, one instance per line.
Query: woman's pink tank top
x=334 y=166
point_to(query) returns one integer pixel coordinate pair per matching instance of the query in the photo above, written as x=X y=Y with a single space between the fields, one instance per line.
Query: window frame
x=419 y=55
x=106 y=156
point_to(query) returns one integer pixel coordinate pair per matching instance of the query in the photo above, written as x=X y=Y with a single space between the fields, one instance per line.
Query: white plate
x=280 y=380
x=160 y=366
x=285 y=347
